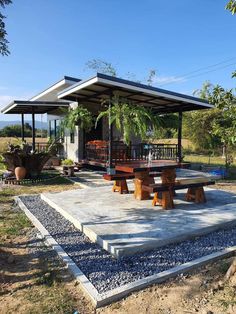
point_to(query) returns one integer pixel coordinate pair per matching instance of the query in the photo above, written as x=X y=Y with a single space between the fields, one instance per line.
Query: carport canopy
x=32 y=107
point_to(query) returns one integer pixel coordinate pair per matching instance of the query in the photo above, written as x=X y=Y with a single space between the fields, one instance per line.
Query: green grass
x=216 y=161
x=12 y=222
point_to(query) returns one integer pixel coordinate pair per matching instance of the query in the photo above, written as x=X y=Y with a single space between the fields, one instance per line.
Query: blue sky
x=53 y=38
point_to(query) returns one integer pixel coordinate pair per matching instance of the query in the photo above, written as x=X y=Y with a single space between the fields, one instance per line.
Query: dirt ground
x=34 y=280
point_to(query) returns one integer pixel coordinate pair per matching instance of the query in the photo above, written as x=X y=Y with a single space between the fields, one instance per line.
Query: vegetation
x=23 y=156
x=130 y=119
x=219 y=124
x=101 y=66
x=4 y=51
x=79 y=116
x=231 y=6
x=67 y=162
x=15 y=131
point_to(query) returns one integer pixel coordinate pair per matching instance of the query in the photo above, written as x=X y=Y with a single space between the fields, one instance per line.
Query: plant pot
x=20 y=173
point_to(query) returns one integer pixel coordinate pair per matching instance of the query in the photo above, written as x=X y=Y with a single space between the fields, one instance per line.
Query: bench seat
x=120 y=184
x=195 y=191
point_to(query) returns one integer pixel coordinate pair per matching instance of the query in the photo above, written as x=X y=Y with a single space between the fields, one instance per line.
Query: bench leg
x=155 y=200
x=120 y=186
x=196 y=194
x=166 y=201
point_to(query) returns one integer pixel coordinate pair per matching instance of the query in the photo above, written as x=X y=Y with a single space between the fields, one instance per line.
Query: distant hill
x=38 y=124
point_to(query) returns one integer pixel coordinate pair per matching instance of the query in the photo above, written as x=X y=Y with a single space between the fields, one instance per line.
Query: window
x=54 y=128
x=57 y=128
x=72 y=137
x=51 y=128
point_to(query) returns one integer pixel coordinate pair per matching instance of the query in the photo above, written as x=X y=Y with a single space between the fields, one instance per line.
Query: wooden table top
x=155 y=165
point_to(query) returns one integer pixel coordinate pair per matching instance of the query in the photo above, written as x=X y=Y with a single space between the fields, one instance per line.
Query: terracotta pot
x=20 y=173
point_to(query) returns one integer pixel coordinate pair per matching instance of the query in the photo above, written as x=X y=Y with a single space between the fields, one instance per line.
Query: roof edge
x=64 y=80
x=136 y=85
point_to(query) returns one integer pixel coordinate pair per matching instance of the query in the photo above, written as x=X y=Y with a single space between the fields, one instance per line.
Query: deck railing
x=122 y=152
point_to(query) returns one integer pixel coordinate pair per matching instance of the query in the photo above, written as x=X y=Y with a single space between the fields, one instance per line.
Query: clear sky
x=53 y=38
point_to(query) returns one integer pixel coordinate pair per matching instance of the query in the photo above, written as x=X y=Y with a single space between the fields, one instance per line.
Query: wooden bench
x=194 y=193
x=120 y=184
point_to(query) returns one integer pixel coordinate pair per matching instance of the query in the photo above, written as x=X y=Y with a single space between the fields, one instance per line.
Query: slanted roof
x=37 y=107
x=51 y=92
x=95 y=89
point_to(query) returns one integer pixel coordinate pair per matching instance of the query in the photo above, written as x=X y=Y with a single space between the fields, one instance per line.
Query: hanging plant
x=130 y=119
x=79 y=116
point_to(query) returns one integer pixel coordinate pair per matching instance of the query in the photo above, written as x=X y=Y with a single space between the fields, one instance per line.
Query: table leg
x=142 y=178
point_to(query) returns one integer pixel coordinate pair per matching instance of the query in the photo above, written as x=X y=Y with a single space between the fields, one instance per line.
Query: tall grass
x=14 y=140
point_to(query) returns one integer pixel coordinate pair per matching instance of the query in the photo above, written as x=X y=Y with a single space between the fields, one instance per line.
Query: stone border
x=102 y=299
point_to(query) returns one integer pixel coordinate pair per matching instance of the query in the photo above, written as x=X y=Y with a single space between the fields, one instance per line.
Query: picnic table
x=142 y=169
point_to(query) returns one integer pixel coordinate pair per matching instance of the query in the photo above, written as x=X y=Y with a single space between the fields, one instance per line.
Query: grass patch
x=13 y=222
x=215 y=161
x=54 y=299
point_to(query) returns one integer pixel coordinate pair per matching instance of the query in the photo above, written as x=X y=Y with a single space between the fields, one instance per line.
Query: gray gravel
x=103 y=270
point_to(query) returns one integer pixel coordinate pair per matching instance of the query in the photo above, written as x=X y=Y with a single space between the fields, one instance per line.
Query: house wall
x=73 y=151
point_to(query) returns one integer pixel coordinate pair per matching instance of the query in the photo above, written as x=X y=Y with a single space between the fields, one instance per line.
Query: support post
x=22 y=127
x=180 y=136
x=33 y=129
x=111 y=170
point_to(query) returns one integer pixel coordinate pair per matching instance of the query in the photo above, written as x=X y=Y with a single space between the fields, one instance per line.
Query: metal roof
x=55 y=88
x=22 y=106
x=95 y=89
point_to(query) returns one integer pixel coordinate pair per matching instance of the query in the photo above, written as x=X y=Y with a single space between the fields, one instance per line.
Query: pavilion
x=93 y=91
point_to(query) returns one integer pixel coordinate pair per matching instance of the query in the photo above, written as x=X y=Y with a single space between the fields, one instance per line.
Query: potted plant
x=79 y=116
x=130 y=119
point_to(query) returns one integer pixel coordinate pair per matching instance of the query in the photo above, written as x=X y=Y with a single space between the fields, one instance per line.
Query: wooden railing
x=121 y=152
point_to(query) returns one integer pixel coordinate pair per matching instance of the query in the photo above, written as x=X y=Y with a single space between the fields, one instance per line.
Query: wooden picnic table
x=142 y=169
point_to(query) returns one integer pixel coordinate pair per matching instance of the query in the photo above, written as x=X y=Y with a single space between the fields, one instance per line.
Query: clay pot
x=20 y=173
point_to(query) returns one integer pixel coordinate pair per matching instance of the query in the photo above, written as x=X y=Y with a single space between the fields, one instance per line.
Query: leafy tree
x=3 y=41
x=151 y=75
x=15 y=131
x=223 y=123
x=231 y=6
x=102 y=66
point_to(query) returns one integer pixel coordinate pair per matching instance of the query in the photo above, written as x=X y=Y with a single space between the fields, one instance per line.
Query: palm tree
x=130 y=119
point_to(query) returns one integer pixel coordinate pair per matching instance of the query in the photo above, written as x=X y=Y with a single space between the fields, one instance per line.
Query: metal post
x=111 y=170
x=22 y=127
x=33 y=129
x=180 y=136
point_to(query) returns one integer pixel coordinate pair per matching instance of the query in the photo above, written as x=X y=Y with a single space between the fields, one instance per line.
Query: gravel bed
x=103 y=270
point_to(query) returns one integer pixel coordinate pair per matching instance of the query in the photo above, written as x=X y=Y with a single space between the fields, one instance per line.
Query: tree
x=15 y=131
x=3 y=34
x=223 y=125
x=231 y=6
x=102 y=66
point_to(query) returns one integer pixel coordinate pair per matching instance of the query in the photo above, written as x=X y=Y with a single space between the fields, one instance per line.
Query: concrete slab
x=124 y=226
x=102 y=299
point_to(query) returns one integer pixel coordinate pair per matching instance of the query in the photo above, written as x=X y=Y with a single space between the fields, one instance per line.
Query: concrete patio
x=123 y=225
